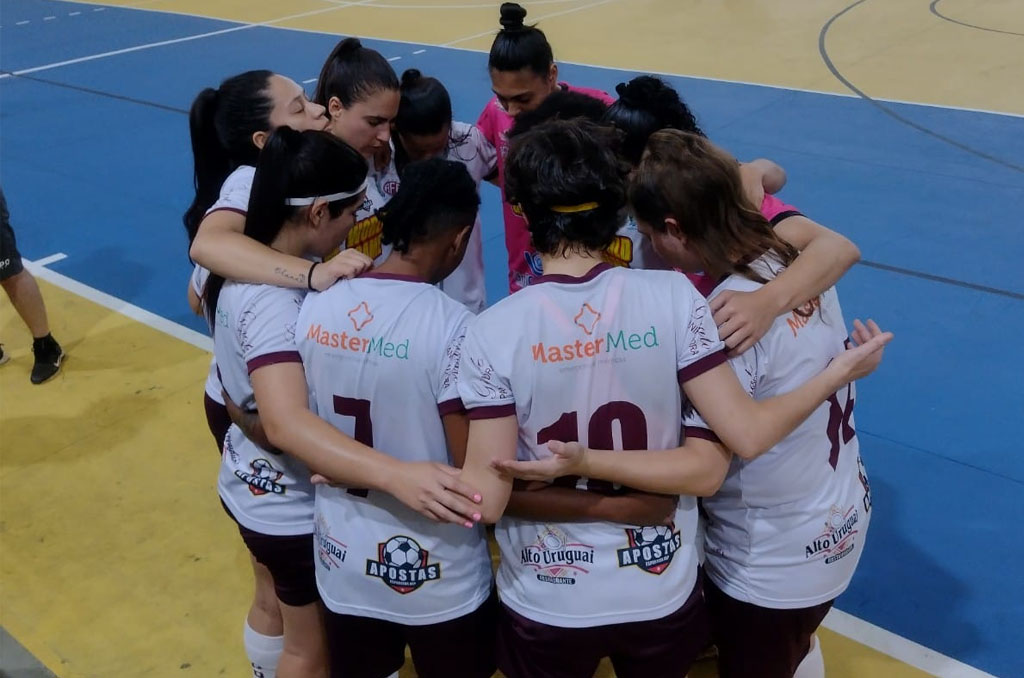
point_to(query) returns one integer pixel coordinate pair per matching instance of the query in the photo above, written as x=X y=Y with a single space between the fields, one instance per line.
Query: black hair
x=294 y=165
x=425 y=108
x=222 y=122
x=435 y=195
x=518 y=46
x=567 y=164
x=647 y=104
x=353 y=73
x=560 y=105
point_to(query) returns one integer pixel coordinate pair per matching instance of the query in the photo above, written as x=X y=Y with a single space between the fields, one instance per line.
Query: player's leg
x=362 y=647
x=461 y=647
x=264 y=629
x=529 y=649
x=305 y=648
x=23 y=291
x=662 y=648
x=759 y=641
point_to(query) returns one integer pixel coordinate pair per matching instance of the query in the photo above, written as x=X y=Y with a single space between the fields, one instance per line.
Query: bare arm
x=194 y=302
x=565 y=504
x=772 y=176
x=744 y=317
x=249 y=422
x=750 y=427
x=431 y=489
x=490 y=440
x=221 y=247
x=456 y=432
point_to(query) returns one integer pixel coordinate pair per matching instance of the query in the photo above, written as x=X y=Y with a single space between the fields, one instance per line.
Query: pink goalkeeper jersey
x=495 y=122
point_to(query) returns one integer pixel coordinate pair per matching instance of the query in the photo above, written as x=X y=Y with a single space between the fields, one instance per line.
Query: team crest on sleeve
x=329 y=551
x=263 y=478
x=556 y=558
x=650 y=548
x=403 y=565
x=836 y=540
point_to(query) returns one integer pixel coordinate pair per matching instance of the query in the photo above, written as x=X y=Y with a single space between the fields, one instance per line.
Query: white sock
x=813 y=664
x=263 y=652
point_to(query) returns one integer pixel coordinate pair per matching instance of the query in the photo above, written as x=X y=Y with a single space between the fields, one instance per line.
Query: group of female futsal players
x=372 y=417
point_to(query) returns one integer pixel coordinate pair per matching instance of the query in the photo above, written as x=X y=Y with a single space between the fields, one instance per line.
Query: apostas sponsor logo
x=556 y=558
x=378 y=346
x=650 y=548
x=263 y=479
x=402 y=564
x=329 y=551
x=592 y=345
x=836 y=540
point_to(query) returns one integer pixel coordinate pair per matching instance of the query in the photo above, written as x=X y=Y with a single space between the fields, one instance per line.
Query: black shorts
x=290 y=561
x=217 y=419
x=362 y=647
x=660 y=648
x=10 y=257
x=759 y=642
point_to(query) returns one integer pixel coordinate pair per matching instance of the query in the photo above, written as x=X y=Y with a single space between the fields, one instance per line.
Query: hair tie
x=575 y=209
x=300 y=202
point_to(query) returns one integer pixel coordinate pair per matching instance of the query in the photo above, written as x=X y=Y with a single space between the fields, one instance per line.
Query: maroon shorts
x=217 y=419
x=362 y=647
x=289 y=559
x=660 y=648
x=759 y=642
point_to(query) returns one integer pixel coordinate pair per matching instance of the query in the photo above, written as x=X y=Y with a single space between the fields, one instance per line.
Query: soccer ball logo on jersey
x=361 y=316
x=556 y=559
x=329 y=551
x=650 y=548
x=836 y=540
x=263 y=479
x=402 y=565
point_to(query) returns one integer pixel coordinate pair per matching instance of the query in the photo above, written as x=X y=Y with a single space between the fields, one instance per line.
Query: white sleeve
x=266 y=328
x=198 y=279
x=234 y=193
x=486 y=393
x=448 y=399
x=698 y=347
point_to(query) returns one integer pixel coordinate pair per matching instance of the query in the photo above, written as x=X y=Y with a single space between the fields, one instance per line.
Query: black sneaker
x=49 y=356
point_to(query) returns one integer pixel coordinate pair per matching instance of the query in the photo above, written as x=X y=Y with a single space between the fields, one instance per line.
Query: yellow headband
x=573 y=209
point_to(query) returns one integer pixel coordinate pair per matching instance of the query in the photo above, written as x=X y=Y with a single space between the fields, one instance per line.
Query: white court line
x=394 y=58
x=188 y=335
x=49 y=18
x=419 y=51
x=898 y=647
x=311 y=80
x=21 y=23
x=137 y=48
x=73 y=13
x=53 y=258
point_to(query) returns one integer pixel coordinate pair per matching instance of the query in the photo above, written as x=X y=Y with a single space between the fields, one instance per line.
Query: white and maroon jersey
x=632 y=250
x=234 y=197
x=598 y=359
x=467 y=145
x=198 y=283
x=786 y=529
x=254 y=327
x=381 y=357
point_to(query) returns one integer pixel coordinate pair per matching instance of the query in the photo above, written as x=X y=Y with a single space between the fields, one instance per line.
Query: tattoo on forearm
x=284 y=273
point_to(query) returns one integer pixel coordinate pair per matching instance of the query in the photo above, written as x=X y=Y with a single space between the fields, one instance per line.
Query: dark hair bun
x=648 y=92
x=512 y=16
x=347 y=46
x=410 y=77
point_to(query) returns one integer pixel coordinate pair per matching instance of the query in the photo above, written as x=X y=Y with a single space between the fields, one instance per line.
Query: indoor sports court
x=900 y=124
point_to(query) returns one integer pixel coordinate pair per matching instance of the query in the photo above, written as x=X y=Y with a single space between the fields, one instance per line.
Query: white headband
x=300 y=202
